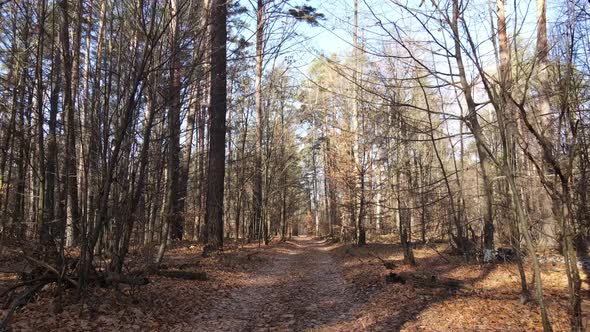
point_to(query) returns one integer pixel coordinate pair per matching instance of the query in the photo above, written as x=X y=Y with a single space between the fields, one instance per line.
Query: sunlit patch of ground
x=489 y=301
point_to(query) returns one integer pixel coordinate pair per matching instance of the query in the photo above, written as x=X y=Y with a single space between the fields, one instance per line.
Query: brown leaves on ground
x=489 y=303
x=305 y=284
x=164 y=304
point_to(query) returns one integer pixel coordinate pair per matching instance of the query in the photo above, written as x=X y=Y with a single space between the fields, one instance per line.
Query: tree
x=217 y=113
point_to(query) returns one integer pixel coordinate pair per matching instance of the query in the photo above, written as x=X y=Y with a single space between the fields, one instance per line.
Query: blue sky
x=335 y=33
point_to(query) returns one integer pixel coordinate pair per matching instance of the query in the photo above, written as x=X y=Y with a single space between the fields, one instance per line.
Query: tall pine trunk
x=217 y=112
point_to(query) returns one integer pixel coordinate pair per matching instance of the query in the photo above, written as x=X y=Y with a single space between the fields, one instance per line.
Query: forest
x=294 y=165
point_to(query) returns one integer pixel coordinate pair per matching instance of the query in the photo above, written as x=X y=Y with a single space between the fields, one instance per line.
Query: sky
x=334 y=35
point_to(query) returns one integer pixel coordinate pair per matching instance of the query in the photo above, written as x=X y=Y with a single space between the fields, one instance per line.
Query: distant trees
x=503 y=181
x=114 y=129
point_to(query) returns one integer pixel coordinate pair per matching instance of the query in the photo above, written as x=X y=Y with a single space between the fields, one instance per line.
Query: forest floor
x=305 y=284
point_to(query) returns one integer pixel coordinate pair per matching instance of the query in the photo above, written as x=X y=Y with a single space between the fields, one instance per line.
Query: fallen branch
x=24 y=283
x=168 y=272
x=22 y=300
x=421 y=280
x=51 y=268
x=388 y=264
x=438 y=252
x=115 y=278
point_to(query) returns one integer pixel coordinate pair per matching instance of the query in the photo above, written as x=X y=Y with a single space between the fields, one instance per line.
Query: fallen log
x=134 y=280
x=171 y=271
x=388 y=264
x=423 y=280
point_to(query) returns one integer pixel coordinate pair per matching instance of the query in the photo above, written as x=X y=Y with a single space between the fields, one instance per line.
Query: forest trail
x=300 y=288
x=304 y=285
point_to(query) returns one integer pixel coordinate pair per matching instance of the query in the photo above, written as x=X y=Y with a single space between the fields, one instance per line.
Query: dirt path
x=299 y=288
x=304 y=285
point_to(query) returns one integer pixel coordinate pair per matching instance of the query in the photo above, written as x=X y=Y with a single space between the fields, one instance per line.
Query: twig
x=22 y=300
x=435 y=250
x=50 y=268
x=378 y=257
x=25 y=283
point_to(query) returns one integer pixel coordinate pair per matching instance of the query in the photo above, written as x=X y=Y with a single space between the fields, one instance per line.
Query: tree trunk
x=217 y=111
x=70 y=150
x=42 y=208
x=173 y=201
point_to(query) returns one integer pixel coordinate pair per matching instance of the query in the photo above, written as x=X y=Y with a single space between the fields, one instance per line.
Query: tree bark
x=70 y=149
x=217 y=112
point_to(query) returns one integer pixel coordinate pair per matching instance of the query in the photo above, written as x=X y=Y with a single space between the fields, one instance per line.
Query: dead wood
x=23 y=299
x=425 y=280
x=51 y=269
x=134 y=280
x=388 y=264
x=438 y=252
